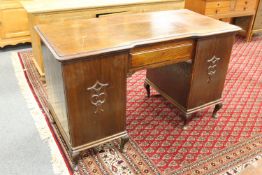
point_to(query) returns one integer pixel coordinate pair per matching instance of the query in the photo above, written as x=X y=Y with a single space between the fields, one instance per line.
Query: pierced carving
x=98 y=95
x=211 y=70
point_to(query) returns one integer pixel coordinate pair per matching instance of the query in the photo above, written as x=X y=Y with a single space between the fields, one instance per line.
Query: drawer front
x=229 y=7
x=246 y=5
x=160 y=54
x=218 y=7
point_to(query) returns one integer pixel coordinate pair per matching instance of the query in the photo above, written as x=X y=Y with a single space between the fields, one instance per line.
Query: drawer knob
x=245 y=8
x=218 y=4
x=216 y=11
x=245 y=2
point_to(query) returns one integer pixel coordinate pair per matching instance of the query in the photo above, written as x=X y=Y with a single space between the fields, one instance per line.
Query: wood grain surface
x=79 y=38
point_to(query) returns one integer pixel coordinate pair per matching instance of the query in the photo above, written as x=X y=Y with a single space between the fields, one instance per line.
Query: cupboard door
x=14 y=23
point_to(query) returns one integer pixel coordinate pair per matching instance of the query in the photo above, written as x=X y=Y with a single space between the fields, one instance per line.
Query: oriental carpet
x=158 y=145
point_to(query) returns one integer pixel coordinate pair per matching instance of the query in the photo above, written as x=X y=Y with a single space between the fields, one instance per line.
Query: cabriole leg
x=124 y=140
x=217 y=108
x=147 y=87
x=186 y=118
x=75 y=159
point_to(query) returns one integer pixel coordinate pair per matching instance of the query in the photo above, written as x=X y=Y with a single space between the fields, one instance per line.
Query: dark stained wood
x=206 y=88
x=172 y=81
x=87 y=63
x=114 y=33
x=192 y=87
x=88 y=122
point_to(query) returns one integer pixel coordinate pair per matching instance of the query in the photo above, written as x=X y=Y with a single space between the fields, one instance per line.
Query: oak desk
x=87 y=63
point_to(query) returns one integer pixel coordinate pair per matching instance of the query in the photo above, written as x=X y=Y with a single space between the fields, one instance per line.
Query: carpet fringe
x=238 y=169
x=57 y=161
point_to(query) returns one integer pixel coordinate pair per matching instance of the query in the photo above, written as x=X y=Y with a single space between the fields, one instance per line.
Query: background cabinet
x=258 y=20
x=239 y=12
x=14 y=27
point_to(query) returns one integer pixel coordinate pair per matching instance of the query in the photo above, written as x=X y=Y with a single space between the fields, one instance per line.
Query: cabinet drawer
x=160 y=54
x=229 y=7
x=218 y=7
x=246 y=5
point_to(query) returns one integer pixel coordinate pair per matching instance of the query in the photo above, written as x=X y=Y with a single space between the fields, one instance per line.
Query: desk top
x=42 y=6
x=81 y=38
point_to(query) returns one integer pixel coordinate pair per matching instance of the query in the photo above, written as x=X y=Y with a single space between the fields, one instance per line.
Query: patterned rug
x=158 y=144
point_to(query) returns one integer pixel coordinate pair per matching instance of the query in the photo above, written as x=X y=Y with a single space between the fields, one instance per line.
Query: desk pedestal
x=195 y=85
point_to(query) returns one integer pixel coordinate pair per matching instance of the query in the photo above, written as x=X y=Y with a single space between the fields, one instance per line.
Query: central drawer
x=160 y=54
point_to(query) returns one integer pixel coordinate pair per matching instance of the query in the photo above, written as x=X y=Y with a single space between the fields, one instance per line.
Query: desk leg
x=217 y=108
x=186 y=118
x=75 y=159
x=124 y=140
x=147 y=87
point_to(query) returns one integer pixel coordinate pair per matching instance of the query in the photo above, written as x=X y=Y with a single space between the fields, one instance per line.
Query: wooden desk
x=87 y=63
x=53 y=11
x=226 y=10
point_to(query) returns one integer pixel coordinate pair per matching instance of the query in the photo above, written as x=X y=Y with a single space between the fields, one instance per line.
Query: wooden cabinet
x=226 y=10
x=258 y=20
x=14 y=27
x=44 y=12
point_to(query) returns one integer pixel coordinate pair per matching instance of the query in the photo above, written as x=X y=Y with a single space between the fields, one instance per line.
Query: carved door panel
x=209 y=69
x=96 y=97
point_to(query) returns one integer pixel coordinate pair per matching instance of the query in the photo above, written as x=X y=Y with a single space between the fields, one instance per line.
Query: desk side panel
x=172 y=81
x=96 y=97
x=55 y=90
x=209 y=69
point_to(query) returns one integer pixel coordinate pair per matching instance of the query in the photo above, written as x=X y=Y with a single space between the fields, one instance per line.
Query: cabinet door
x=14 y=23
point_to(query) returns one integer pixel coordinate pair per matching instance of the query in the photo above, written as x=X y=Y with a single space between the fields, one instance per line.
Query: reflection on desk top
x=42 y=6
x=82 y=38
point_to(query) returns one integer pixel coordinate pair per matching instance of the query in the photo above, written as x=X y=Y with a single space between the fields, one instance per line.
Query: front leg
x=185 y=118
x=124 y=140
x=217 y=108
x=147 y=87
x=75 y=159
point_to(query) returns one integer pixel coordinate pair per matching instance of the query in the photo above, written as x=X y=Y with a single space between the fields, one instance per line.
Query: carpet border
x=30 y=86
